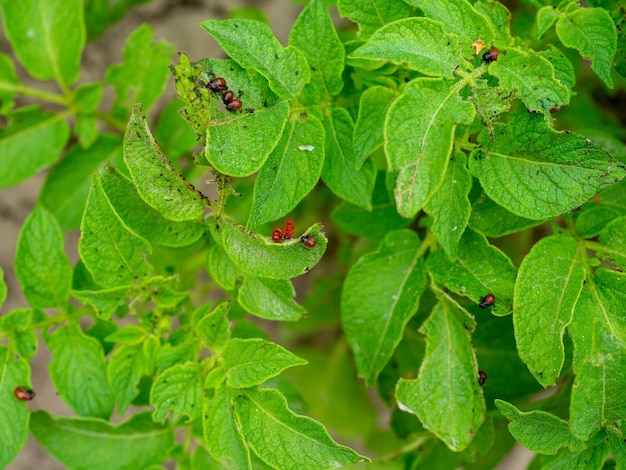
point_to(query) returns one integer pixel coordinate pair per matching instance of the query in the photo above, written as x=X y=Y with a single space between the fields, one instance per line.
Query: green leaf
x=533 y=77
x=160 y=290
x=215 y=378
x=495 y=221
x=416 y=43
x=291 y=171
x=8 y=83
x=87 y=98
x=471 y=276
x=125 y=368
x=101 y=14
x=202 y=460
x=548 y=284
x=592 y=32
x=418 y=145
x=214 y=328
x=617 y=448
x=3 y=288
x=222 y=270
x=177 y=138
x=539 y=431
x=371 y=15
x=98 y=445
x=459 y=18
x=16 y=326
x=285 y=440
x=380 y=295
x=340 y=165
x=611 y=295
x=603 y=298
x=16 y=319
x=260 y=256
x=271 y=299
x=67 y=185
x=368 y=130
x=619 y=18
x=605 y=207
x=143 y=219
x=253 y=45
x=78 y=371
x=315 y=36
x=592 y=457
x=239 y=142
x=599 y=360
x=490 y=102
x=178 y=390
x=536 y=172
x=450 y=205
x=128 y=335
x=546 y=16
x=496 y=351
x=446 y=395
x=612 y=237
x=31 y=142
x=15 y=414
x=563 y=68
x=105 y=301
x=41 y=266
x=350 y=412
x=112 y=253
x=250 y=362
x=157 y=181
x=592 y=220
x=499 y=18
x=222 y=434
x=86 y=129
x=47 y=36
x=143 y=75
x=168 y=356
x=100 y=330
x=376 y=223
x=191 y=89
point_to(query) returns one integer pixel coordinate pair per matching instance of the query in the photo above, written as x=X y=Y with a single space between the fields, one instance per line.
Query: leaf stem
x=111 y=121
x=60 y=318
x=35 y=92
x=429 y=243
x=222 y=182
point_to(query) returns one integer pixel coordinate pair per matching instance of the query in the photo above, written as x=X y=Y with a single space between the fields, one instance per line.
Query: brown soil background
x=175 y=21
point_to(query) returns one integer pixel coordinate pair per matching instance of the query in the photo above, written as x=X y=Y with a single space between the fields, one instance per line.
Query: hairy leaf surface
x=418 y=145
x=417 y=43
x=285 y=440
x=536 y=172
x=252 y=44
x=548 y=285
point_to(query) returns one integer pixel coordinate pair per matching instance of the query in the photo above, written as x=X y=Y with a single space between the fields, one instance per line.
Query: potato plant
x=444 y=178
